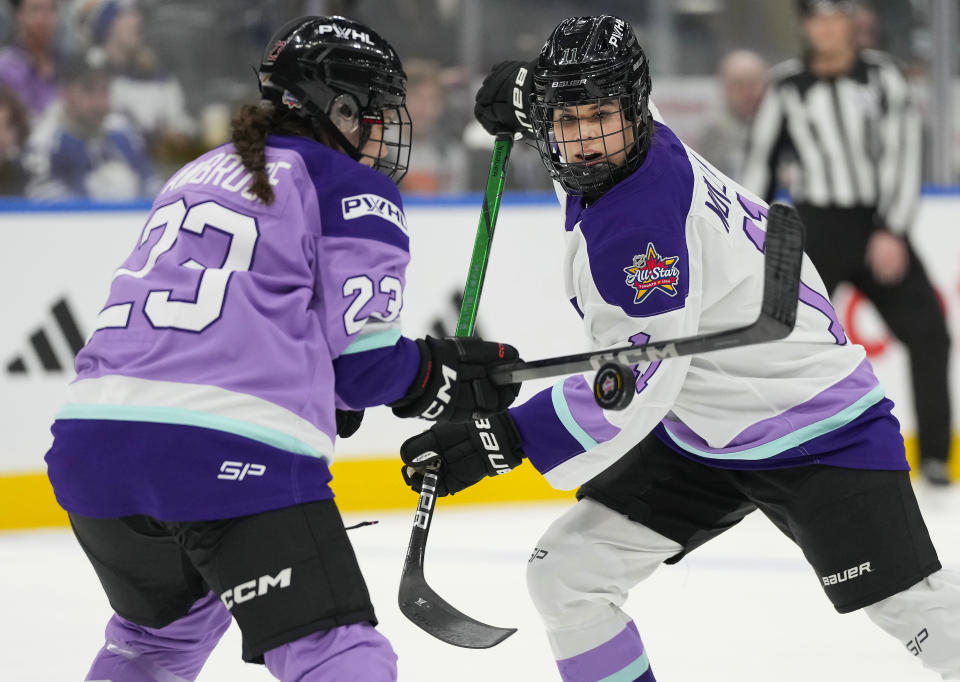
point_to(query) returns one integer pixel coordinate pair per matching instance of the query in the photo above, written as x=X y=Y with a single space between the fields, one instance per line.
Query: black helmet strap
x=321 y=123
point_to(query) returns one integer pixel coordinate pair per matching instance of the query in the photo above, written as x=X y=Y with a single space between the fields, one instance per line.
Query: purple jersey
x=230 y=335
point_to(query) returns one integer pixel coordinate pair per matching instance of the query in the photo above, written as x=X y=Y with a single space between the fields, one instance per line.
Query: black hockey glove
x=503 y=101
x=452 y=384
x=465 y=453
x=348 y=421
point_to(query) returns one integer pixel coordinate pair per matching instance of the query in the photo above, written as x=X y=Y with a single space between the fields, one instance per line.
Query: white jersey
x=676 y=250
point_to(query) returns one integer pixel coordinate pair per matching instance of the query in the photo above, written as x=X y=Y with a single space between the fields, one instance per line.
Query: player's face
x=593 y=133
x=374 y=148
x=379 y=130
x=385 y=138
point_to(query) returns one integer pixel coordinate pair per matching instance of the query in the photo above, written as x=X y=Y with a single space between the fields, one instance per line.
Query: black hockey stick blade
x=428 y=611
x=424 y=607
x=782 y=263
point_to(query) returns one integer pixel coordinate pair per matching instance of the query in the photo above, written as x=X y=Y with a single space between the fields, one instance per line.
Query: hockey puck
x=613 y=386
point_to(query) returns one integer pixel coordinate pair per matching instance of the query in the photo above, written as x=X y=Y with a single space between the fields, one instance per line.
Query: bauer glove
x=464 y=453
x=503 y=102
x=453 y=384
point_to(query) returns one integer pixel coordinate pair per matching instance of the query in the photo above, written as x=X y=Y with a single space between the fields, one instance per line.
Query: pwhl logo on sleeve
x=370 y=204
x=651 y=271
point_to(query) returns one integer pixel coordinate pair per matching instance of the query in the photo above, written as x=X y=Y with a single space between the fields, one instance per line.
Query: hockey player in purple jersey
x=661 y=245
x=258 y=314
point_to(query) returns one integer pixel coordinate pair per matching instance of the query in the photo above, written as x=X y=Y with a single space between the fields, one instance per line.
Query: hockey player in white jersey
x=661 y=245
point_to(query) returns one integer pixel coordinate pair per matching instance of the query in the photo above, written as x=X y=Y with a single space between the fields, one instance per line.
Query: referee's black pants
x=837 y=245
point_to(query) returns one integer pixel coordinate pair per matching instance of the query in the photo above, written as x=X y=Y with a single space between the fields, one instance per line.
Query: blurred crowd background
x=103 y=99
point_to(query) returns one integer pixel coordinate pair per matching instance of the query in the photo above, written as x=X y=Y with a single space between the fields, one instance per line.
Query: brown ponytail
x=250 y=127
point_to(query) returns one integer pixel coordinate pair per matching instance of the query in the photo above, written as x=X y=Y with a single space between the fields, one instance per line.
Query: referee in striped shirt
x=839 y=130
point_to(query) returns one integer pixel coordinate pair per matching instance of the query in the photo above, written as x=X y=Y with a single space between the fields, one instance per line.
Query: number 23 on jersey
x=207 y=304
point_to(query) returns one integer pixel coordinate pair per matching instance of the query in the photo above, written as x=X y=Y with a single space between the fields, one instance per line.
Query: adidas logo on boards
x=52 y=347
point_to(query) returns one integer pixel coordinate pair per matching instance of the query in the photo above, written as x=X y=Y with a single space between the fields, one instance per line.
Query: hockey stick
x=782 y=261
x=418 y=602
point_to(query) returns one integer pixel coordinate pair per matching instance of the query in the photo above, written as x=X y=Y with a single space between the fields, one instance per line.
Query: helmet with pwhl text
x=346 y=80
x=590 y=105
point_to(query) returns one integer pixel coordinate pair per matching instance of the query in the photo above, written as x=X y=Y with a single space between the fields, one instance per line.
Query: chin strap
x=648 y=127
x=643 y=144
x=319 y=123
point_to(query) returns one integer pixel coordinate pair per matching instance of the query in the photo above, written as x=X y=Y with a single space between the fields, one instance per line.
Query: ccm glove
x=453 y=384
x=348 y=421
x=462 y=454
x=503 y=101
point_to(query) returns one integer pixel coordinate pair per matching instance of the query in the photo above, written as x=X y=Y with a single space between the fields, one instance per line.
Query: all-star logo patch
x=651 y=271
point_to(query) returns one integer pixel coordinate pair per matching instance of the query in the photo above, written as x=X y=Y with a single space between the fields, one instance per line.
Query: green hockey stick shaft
x=484 y=239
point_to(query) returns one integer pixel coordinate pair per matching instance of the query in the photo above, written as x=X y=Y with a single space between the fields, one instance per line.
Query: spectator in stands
x=437 y=159
x=140 y=88
x=743 y=76
x=14 y=127
x=29 y=64
x=80 y=149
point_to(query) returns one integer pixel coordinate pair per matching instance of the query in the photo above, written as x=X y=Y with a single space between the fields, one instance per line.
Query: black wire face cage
x=590 y=144
x=385 y=140
x=375 y=99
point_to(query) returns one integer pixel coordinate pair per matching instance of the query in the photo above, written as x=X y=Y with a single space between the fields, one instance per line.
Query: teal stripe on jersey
x=632 y=673
x=795 y=438
x=566 y=418
x=176 y=415
x=371 y=341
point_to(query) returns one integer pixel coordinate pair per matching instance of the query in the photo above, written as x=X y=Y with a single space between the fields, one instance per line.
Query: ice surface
x=744 y=608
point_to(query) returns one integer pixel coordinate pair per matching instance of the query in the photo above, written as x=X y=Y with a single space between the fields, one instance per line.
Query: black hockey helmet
x=587 y=62
x=343 y=79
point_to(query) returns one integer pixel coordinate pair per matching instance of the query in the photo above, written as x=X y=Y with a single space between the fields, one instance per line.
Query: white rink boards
x=49 y=256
